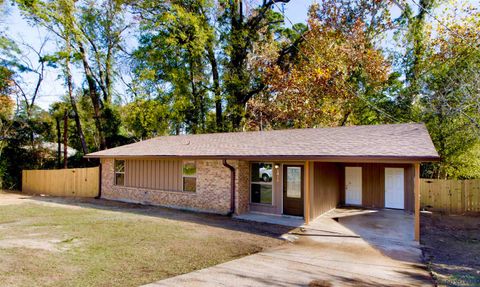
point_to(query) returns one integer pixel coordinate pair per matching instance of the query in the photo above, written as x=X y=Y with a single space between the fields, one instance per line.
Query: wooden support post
x=416 y=188
x=307 y=192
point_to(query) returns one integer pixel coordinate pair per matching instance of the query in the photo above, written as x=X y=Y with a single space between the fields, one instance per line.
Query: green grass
x=44 y=245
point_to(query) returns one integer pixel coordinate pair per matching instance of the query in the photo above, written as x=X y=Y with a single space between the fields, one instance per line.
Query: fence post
x=463 y=183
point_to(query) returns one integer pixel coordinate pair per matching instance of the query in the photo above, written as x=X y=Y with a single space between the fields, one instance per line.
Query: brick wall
x=212 y=195
x=242 y=203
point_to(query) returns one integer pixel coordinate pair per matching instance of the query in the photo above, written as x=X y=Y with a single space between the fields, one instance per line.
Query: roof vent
x=186 y=142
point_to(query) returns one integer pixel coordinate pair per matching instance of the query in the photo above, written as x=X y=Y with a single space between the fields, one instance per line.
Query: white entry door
x=394 y=188
x=353 y=185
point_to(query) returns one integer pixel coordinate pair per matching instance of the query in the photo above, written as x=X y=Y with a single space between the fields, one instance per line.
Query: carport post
x=307 y=193
x=416 y=189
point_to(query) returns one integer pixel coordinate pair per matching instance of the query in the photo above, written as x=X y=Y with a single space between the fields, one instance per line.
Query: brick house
x=296 y=172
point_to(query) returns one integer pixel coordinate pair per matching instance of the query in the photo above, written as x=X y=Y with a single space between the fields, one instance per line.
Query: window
x=261 y=183
x=189 y=174
x=119 y=172
x=294 y=182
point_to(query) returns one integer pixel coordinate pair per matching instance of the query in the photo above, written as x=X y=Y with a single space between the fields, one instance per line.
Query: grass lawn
x=99 y=243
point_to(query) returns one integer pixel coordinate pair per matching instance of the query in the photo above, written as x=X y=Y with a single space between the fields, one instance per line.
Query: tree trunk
x=414 y=74
x=65 y=139
x=92 y=89
x=59 y=142
x=196 y=102
x=73 y=102
x=216 y=88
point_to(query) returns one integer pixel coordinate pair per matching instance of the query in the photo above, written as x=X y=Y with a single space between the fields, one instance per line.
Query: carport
x=364 y=184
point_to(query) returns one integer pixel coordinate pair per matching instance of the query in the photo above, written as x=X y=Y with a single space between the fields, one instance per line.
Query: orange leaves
x=321 y=85
x=6 y=107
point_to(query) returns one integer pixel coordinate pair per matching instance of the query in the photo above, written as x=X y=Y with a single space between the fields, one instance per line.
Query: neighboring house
x=50 y=149
x=299 y=172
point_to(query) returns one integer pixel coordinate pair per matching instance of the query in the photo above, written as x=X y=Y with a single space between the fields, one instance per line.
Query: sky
x=53 y=88
x=19 y=30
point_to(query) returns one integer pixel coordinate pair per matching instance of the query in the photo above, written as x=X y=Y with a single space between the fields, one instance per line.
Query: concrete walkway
x=327 y=253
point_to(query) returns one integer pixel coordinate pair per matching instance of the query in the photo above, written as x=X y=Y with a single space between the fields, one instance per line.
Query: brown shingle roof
x=399 y=141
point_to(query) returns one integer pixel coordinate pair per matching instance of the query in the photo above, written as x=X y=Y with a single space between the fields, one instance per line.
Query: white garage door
x=394 y=188
x=353 y=185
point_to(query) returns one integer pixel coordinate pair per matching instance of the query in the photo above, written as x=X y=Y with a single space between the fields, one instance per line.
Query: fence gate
x=75 y=182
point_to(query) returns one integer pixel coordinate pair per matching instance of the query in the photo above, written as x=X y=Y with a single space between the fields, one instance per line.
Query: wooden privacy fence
x=450 y=196
x=78 y=182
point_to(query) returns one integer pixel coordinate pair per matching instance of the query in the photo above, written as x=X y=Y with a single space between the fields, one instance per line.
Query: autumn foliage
x=322 y=85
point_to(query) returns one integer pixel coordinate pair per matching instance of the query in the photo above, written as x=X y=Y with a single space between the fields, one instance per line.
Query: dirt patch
x=451 y=248
x=9 y=198
x=32 y=243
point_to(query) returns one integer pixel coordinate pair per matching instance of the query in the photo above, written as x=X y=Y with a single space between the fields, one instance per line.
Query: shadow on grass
x=220 y=221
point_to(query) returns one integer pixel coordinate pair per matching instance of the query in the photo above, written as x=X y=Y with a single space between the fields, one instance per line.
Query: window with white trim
x=261 y=187
x=189 y=175
x=119 y=166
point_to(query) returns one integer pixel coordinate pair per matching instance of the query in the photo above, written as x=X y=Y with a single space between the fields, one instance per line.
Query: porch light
x=277 y=172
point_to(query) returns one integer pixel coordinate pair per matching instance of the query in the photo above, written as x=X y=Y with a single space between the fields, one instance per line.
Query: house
x=298 y=172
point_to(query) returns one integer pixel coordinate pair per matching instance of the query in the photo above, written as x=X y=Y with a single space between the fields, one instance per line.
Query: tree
x=450 y=99
x=210 y=46
x=337 y=71
x=180 y=30
x=413 y=35
x=241 y=30
x=94 y=33
x=145 y=118
x=6 y=113
x=73 y=102
x=25 y=61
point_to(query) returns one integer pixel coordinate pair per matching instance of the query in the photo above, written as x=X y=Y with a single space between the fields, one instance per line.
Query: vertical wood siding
x=326 y=188
x=409 y=185
x=373 y=184
x=154 y=174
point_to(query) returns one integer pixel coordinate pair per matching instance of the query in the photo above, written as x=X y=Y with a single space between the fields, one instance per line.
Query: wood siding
x=326 y=188
x=154 y=174
x=409 y=187
x=373 y=184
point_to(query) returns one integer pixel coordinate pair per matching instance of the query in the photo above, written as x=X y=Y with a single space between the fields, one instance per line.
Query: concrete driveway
x=346 y=247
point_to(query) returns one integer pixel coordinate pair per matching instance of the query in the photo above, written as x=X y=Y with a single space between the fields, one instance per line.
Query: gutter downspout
x=232 y=186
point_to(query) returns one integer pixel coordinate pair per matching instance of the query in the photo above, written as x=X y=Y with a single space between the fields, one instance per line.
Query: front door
x=353 y=185
x=394 y=188
x=293 y=190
